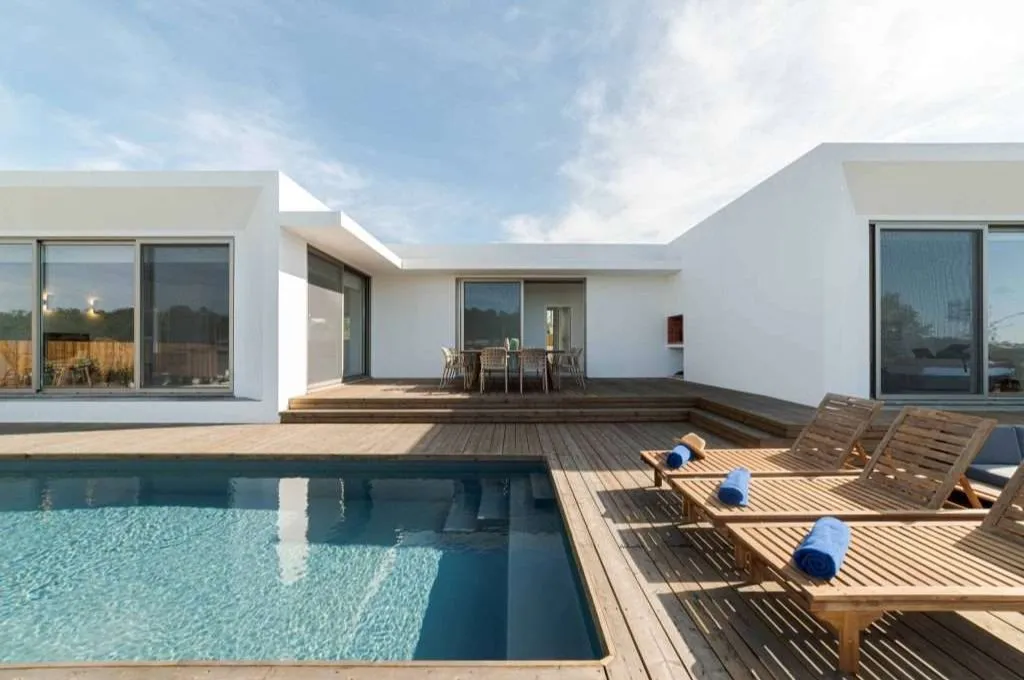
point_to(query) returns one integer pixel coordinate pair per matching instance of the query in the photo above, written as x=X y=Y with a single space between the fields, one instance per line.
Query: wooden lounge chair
x=899 y=566
x=825 y=446
x=918 y=463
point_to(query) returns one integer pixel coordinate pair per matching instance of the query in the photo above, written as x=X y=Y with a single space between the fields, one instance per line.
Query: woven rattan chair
x=572 y=361
x=534 y=361
x=452 y=365
x=493 y=359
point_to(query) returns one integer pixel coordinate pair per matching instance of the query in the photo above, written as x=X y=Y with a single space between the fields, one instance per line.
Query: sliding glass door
x=338 y=299
x=949 y=311
x=492 y=312
x=355 y=306
x=928 y=314
x=326 y=330
x=1005 y=323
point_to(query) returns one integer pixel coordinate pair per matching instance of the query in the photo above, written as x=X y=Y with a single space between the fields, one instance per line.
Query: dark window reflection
x=185 y=315
x=927 y=313
x=492 y=313
x=15 y=316
x=88 y=316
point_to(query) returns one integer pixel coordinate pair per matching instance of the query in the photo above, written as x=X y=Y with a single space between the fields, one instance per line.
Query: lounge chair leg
x=847 y=627
x=739 y=555
x=755 y=569
x=689 y=512
x=658 y=479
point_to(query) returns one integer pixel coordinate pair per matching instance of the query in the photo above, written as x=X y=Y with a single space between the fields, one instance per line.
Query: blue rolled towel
x=734 y=488
x=823 y=549
x=678 y=457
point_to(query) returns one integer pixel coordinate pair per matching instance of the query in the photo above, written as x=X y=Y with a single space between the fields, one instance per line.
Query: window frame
x=34 y=320
x=313 y=251
x=461 y=302
x=38 y=391
x=981 y=231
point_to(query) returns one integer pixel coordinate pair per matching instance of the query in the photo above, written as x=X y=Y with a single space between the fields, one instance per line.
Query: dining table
x=471 y=366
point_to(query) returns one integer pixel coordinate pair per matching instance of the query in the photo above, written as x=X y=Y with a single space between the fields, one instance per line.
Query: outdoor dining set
x=546 y=365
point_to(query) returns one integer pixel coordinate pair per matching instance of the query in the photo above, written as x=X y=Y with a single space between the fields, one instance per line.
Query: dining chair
x=572 y=361
x=493 y=359
x=533 y=360
x=452 y=365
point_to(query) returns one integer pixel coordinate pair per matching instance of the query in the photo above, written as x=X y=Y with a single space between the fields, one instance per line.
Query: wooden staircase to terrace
x=745 y=419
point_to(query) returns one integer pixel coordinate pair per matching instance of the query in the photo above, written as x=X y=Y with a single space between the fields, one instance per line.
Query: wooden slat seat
x=763 y=462
x=780 y=499
x=935 y=565
x=827 y=445
x=915 y=468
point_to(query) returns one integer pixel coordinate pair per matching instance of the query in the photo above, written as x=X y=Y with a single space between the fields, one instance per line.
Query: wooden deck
x=599 y=388
x=747 y=419
x=669 y=599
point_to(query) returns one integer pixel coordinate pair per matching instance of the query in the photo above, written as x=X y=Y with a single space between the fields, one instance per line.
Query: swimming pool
x=286 y=559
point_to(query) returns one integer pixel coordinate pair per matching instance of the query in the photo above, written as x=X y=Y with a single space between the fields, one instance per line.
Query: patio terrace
x=671 y=603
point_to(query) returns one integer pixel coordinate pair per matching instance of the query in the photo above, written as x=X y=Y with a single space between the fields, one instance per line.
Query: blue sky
x=471 y=121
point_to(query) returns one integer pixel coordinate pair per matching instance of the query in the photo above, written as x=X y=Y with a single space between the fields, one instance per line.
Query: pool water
x=157 y=560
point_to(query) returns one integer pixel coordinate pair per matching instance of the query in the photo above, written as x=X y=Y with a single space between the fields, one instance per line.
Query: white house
x=891 y=270
x=217 y=296
x=888 y=270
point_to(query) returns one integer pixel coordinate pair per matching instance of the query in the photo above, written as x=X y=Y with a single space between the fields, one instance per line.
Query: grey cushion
x=1003 y=447
x=996 y=475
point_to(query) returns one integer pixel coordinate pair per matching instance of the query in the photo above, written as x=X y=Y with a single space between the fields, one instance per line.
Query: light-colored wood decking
x=670 y=599
x=596 y=389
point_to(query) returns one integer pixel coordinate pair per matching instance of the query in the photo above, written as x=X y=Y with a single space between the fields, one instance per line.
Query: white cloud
x=718 y=94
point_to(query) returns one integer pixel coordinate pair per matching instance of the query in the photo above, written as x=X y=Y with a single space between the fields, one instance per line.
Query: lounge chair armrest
x=951 y=514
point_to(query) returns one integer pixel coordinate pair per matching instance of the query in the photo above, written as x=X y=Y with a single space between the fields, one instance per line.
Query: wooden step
x=754 y=420
x=740 y=433
x=490 y=415
x=476 y=402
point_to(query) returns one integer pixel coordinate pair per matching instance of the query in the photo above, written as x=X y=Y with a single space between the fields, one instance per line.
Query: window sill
x=120 y=396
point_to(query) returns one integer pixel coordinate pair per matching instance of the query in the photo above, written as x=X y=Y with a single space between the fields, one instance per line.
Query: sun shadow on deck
x=759 y=628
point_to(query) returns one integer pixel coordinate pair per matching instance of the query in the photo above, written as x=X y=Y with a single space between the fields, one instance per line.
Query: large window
x=115 y=316
x=491 y=313
x=185 y=315
x=949 y=311
x=88 y=316
x=16 y=356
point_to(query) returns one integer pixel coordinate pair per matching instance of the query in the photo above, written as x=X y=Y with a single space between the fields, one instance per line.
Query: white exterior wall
x=411 y=318
x=753 y=286
x=626 y=327
x=776 y=286
x=292 y=318
x=242 y=206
